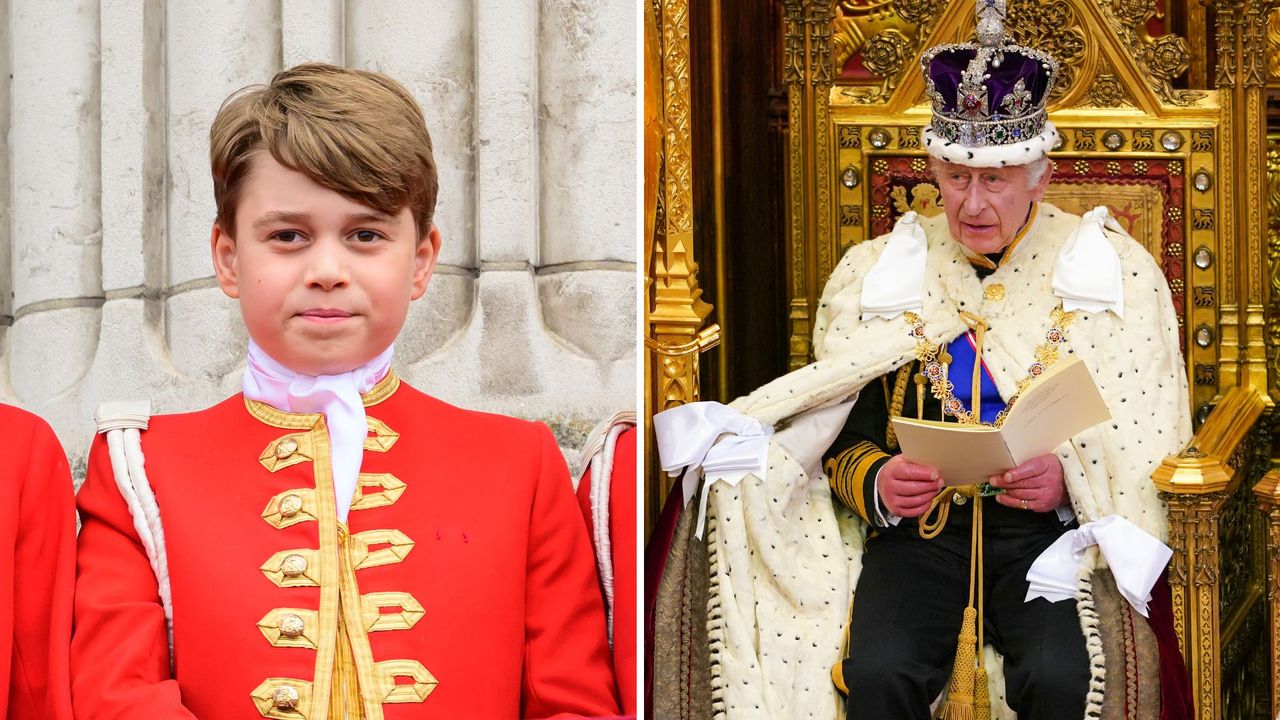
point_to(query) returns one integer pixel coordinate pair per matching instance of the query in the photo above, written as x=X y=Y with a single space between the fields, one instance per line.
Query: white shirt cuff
x=884 y=519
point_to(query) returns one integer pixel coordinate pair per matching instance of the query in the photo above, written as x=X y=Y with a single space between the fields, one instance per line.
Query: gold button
x=291 y=625
x=285 y=697
x=293 y=565
x=290 y=505
x=287 y=447
x=959 y=499
x=994 y=291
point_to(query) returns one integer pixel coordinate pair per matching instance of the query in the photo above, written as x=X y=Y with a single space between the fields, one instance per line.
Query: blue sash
x=961 y=375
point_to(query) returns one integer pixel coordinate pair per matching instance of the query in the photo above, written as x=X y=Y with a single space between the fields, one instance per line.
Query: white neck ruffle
x=337 y=396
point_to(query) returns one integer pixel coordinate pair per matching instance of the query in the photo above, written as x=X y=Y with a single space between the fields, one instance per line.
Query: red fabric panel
x=37 y=569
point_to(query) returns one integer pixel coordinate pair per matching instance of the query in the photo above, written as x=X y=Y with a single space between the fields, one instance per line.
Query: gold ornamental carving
x=887 y=35
x=1273 y=46
x=1163 y=58
x=1054 y=27
x=676 y=313
x=1107 y=90
x=1273 y=259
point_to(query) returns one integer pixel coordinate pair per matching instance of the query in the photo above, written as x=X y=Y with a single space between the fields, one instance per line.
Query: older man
x=1045 y=276
x=949 y=318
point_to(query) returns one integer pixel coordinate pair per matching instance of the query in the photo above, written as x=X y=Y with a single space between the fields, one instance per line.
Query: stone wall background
x=106 y=287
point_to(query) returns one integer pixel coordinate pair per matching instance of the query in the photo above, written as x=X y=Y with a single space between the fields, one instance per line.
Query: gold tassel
x=981 y=696
x=959 y=704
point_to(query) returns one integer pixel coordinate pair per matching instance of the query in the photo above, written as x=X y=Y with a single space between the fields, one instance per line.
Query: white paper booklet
x=1060 y=403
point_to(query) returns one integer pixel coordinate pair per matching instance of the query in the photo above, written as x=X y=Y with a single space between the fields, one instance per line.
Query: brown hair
x=356 y=132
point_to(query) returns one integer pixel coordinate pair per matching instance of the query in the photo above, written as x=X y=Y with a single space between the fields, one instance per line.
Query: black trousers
x=908 y=607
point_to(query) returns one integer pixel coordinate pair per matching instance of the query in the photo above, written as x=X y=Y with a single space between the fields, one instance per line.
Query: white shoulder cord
x=122 y=422
x=600 y=447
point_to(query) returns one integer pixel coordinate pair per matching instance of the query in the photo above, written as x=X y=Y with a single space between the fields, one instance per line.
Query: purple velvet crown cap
x=989 y=97
x=946 y=69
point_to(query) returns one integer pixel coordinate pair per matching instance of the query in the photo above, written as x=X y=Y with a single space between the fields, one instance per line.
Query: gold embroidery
x=283 y=699
x=345 y=702
x=289 y=627
x=352 y=623
x=292 y=568
x=423 y=681
x=383 y=437
x=332 y=567
x=281 y=419
x=994 y=291
x=287 y=451
x=1022 y=233
x=398 y=547
x=291 y=507
x=375 y=620
x=392 y=489
x=385 y=388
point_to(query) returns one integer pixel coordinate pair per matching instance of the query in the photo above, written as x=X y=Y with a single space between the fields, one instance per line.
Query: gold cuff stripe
x=266 y=695
x=847 y=473
x=423 y=681
x=291 y=507
x=391 y=490
x=281 y=627
x=375 y=620
x=398 y=547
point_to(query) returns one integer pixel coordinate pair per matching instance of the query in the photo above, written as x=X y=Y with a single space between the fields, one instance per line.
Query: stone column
x=56 y=222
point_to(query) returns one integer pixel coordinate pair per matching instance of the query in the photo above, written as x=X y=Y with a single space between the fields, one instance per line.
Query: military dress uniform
x=895 y=666
x=462 y=584
x=37 y=569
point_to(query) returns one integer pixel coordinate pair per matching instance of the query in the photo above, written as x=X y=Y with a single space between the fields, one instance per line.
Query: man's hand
x=907 y=488
x=1036 y=485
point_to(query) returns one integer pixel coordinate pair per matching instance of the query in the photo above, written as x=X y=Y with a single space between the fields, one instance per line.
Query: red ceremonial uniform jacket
x=37 y=569
x=462 y=585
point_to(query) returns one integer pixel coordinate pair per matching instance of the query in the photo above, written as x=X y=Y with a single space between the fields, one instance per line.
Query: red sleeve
x=566 y=654
x=120 y=648
x=44 y=576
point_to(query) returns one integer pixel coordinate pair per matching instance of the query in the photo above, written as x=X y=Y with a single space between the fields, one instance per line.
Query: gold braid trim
x=847 y=474
x=895 y=404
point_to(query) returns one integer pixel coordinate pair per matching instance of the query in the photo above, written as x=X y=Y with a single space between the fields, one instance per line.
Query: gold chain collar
x=934 y=360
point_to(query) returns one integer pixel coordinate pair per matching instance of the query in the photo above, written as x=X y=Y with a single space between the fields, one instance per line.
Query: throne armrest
x=1214 y=532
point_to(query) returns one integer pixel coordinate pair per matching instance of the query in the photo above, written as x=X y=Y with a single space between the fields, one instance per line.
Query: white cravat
x=337 y=396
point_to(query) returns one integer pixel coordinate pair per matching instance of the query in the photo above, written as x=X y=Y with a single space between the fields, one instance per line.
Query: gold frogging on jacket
x=348 y=682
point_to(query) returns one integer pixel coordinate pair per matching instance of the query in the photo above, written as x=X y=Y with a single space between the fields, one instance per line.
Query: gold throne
x=1170 y=133
x=1179 y=167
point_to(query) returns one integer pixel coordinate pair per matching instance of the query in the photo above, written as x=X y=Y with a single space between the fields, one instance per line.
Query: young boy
x=339 y=545
x=37 y=569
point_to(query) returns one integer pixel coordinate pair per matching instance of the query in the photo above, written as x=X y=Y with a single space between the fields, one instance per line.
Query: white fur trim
x=1019 y=153
x=785 y=559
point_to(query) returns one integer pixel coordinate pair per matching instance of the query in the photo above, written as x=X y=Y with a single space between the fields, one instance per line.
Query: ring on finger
x=1024 y=503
